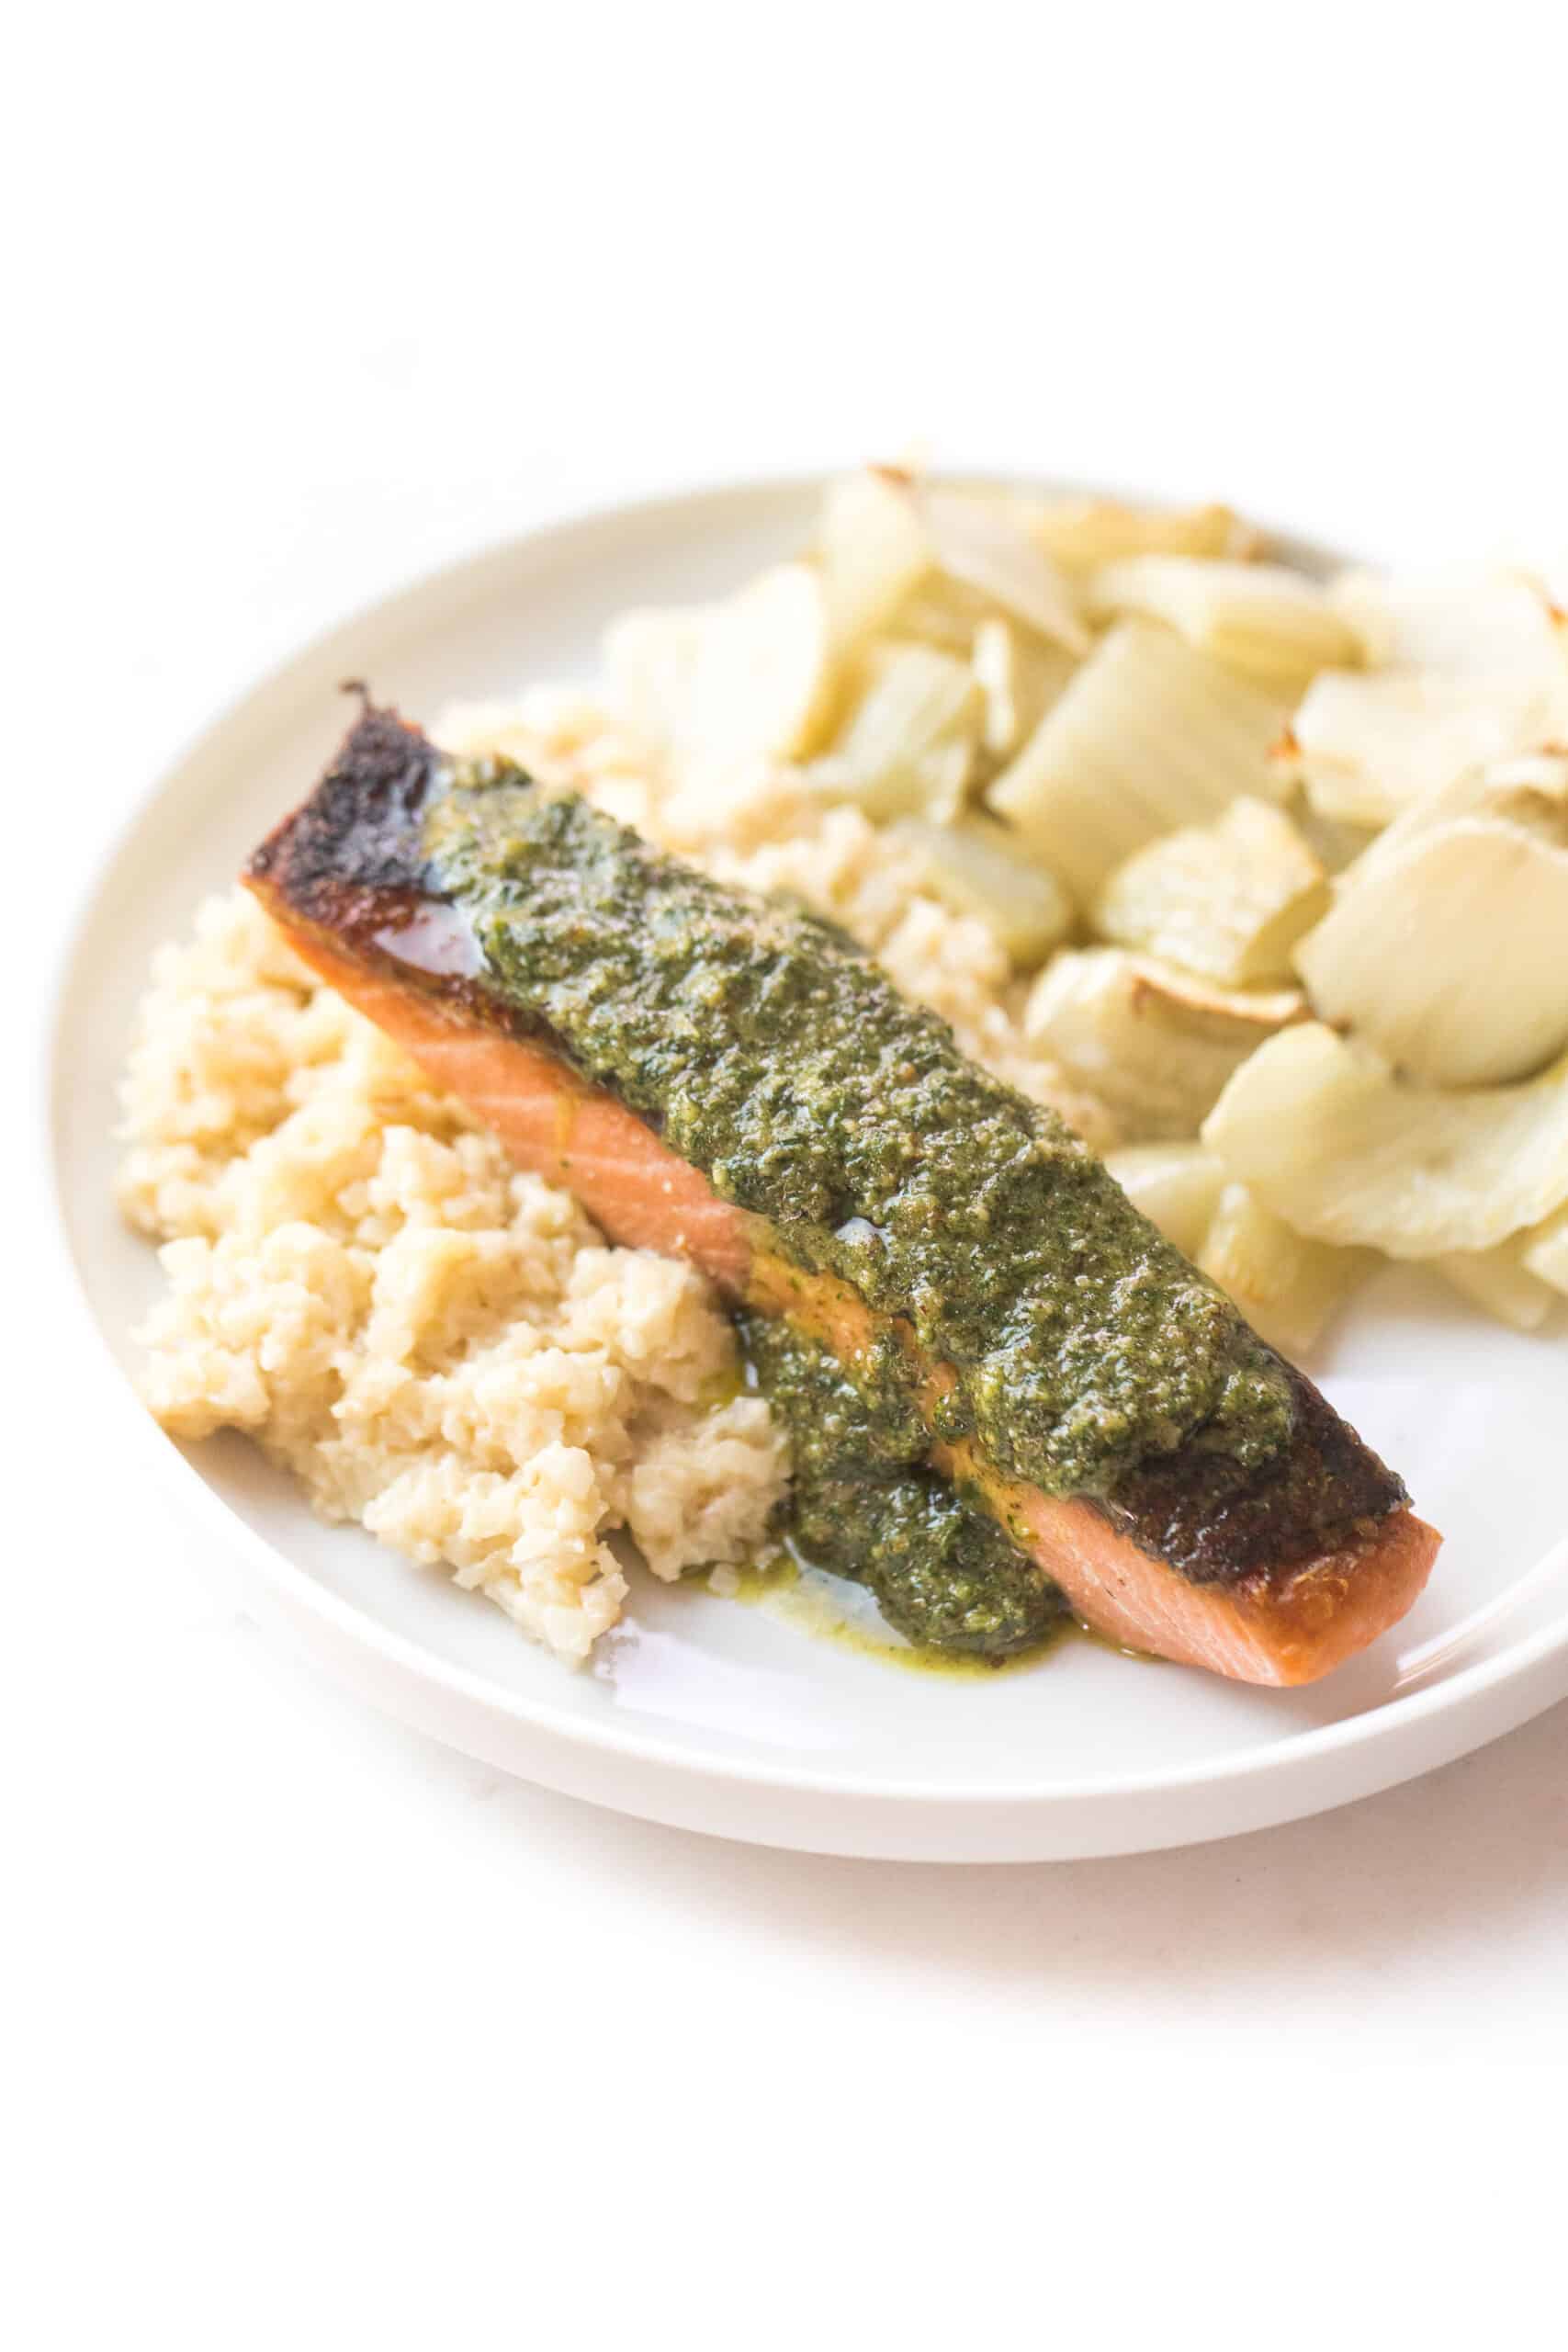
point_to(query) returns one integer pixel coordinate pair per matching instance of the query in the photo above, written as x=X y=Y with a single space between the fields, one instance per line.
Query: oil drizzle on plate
x=823 y=1605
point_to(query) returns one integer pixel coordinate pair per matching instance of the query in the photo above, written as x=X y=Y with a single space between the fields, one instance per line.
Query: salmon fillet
x=1272 y=1576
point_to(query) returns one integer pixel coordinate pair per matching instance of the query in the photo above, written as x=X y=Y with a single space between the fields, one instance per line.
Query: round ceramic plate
x=743 y=1720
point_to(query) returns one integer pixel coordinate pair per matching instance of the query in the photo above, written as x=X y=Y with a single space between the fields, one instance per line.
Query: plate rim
x=1396 y=1722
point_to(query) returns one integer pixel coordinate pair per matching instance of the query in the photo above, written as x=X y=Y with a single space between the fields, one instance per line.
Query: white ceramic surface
x=730 y=1719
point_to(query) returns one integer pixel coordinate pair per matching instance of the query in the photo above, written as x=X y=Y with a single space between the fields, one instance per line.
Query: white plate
x=724 y=1718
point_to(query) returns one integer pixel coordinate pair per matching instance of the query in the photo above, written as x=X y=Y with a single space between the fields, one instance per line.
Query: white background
x=322 y=2036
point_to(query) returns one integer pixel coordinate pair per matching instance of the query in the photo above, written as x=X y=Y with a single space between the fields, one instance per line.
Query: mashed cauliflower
x=437 y=1345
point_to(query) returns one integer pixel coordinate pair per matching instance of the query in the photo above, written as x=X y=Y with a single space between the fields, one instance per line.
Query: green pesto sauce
x=863 y=1505
x=783 y=1064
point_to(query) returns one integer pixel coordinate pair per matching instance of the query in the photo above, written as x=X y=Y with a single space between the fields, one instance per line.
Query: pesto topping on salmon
x=783 y=1063
x=863 y=1505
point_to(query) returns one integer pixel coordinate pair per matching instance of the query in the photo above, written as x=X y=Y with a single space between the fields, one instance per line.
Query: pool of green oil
x=810 y=1601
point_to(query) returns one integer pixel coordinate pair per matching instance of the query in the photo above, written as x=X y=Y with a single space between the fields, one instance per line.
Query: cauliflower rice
x=439 y=1346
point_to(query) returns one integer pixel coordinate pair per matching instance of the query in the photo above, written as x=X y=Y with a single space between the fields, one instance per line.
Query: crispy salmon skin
x=485 y=927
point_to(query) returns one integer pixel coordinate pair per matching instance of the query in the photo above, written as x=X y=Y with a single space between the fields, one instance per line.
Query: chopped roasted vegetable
x=1501 y=1281
x=995 y=664
x=1460 y=621
x=1177 y=1186
x=1228 y=900
x=972 y=865
x=1081 y=532
x=1017 y=672
x=1544 y=1251
x=947 y=614
x=715 y=685
x=1260 y=618
x=982 y=546
x=1369 y=747
x=1330 y=1139
x=909 y=741
x=1149 y=735
x=1335 y=843
x=650 y=662
x=1528 y=789
x=873 y=550
x=1448 y=950
x=1157 y=1046
x=1288 y=1288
